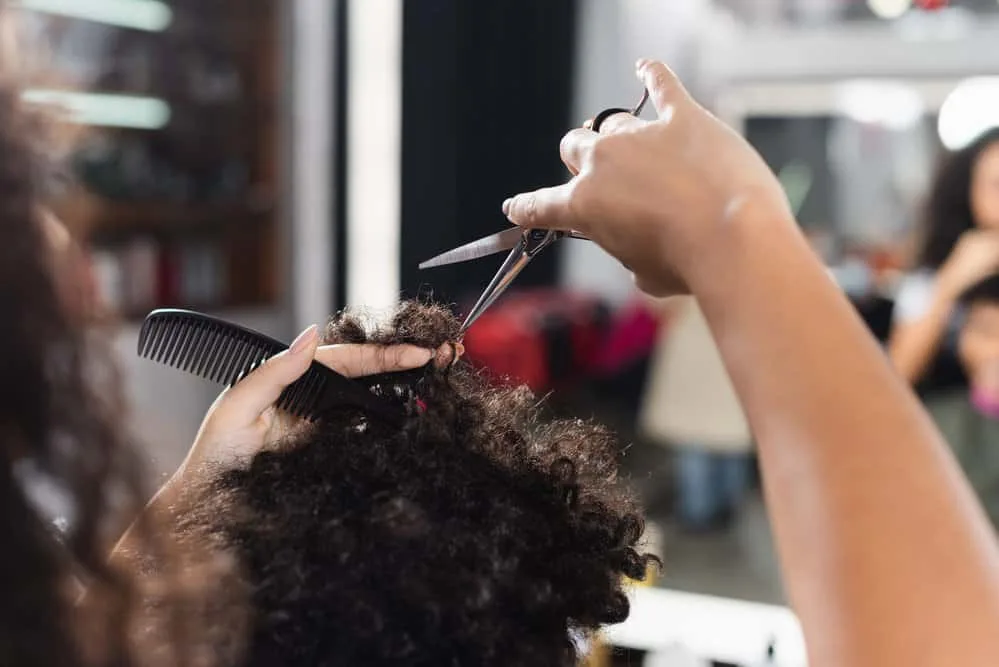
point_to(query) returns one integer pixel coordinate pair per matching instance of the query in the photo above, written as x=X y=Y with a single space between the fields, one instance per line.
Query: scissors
x=523 y=244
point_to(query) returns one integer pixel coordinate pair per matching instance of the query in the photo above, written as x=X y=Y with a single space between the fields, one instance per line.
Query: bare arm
x=888 y=558
x=886 y=553
x=913 y=345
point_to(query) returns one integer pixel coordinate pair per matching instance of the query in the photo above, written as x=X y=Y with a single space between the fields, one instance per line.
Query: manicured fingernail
x=304 y=340
x=506 y=206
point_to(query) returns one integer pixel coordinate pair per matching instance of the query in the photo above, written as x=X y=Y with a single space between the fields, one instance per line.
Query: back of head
x=948 y=211
x=481 y=533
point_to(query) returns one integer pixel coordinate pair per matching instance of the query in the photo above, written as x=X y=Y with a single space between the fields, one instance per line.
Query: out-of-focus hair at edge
x=70 y=481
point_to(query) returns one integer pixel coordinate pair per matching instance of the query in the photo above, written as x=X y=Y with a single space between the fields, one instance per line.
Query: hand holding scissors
x=523 y=244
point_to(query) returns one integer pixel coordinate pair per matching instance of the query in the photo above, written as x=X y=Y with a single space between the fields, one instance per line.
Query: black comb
x=224 y=352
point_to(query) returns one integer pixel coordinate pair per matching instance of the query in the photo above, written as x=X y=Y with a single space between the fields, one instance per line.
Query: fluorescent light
x=972 y=108
x=144 y=113
x=889 y=9
x=374 y=152
x=151 y=15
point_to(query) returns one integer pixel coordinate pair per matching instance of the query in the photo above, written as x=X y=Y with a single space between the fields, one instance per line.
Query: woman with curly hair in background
x=960 y=248
x=482 y=533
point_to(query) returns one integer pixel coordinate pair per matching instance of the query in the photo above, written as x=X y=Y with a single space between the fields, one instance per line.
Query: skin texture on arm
x=886 y=555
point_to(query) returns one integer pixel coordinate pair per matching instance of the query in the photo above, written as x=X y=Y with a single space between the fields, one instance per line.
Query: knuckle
x=530 y=209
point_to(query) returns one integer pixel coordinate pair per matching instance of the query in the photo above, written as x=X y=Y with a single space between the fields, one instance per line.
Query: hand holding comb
x=225 y=353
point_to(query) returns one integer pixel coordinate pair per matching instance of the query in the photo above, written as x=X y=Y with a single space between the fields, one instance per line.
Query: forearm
x=887 y=556
x=913 y=345
x=132 y=544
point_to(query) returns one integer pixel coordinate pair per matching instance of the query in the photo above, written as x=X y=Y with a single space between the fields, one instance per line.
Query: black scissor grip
x=598 y=121
x=604 y=115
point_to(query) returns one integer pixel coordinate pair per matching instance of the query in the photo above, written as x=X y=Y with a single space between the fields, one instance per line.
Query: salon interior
x=272 y=161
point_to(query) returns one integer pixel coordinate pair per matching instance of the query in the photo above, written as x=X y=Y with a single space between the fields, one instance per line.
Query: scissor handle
x=598 y=121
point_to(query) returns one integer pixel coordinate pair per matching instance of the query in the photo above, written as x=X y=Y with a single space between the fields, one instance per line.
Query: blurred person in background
x=690 y=404
x=970 y=420
x=960 y=247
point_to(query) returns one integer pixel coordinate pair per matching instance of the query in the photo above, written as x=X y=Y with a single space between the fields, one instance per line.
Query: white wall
x=613 y=34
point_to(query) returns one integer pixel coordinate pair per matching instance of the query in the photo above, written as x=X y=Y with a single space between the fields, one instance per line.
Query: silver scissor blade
x=490 y=245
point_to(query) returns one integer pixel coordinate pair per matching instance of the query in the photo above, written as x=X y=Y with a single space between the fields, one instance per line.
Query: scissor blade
x=490 y=245
x=515 y=262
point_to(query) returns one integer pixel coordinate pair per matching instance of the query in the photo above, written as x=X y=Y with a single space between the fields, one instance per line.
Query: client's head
x=979 y=344
x=481 y=533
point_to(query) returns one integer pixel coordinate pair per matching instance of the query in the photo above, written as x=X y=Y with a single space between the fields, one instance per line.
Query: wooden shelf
x=102 y=219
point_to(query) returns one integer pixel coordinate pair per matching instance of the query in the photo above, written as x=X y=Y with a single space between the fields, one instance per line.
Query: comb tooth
x=241 y=363
x=207 y=348
x=248 y=361
x=156 y=340
x=175 y=333
x=161 y=341
x=218 y=357
x=306 y=403
x=184 y=352
x=224 y=360
x=311 y=397
x=177 y=353
x=287 y=398
x=144 y=332
x=188 y=356
x=294 y=394
x=147 y=342
x=145 y=336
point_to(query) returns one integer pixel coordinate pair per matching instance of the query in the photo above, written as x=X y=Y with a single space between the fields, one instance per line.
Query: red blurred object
x=932 y=5
x=541 y=338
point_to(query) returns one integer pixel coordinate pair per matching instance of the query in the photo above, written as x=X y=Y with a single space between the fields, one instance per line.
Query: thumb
x=664 y=87
x=258 y=391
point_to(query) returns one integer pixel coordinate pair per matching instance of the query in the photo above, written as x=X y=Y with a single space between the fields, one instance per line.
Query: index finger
x=663 y=85
x=359 y=360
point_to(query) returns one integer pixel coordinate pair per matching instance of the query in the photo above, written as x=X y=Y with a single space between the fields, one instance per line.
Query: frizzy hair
x=483 y=533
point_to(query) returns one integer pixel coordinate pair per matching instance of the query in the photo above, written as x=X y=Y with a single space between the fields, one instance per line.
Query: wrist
x=752 y=228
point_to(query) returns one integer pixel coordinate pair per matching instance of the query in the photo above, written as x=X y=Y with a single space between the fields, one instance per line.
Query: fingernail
x=640 y=65
x=304 y=340
x=506 y=206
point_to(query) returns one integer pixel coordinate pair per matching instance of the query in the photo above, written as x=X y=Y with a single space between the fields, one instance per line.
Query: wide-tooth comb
x=224 y=352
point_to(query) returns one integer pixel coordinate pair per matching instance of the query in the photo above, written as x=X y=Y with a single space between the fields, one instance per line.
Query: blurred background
x=273 y=161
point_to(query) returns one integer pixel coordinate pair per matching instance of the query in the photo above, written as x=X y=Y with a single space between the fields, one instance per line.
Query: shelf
x=101 y=219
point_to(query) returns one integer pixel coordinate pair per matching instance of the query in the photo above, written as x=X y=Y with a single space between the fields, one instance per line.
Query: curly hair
x=948 y=212
x=60 y=431
x=483 y=533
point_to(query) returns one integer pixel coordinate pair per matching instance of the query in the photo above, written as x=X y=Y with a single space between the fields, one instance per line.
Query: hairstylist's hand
x=243 y=419
x=655 y=194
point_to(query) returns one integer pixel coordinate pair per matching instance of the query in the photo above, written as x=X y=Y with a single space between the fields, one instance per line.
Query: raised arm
x=887 y=557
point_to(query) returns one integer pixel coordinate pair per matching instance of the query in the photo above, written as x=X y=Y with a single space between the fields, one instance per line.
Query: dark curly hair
x=61 y=445
x=948 y=212
x=483 y=533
